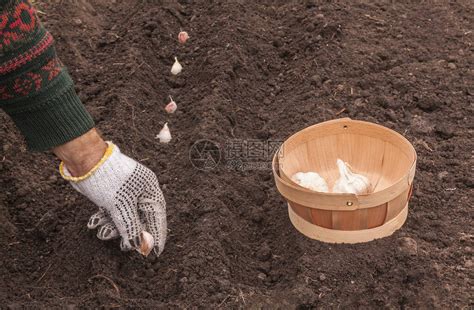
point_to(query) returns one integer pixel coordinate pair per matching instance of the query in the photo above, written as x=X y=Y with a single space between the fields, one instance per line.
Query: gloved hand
x=129 y=199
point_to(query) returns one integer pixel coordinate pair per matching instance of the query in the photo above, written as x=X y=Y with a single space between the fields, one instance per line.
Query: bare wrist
x=83 y=153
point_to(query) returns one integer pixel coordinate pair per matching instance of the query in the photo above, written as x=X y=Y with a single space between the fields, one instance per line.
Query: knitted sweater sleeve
x=35 y=88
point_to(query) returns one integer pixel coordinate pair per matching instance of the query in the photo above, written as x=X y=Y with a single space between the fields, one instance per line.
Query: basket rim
x=349 y=120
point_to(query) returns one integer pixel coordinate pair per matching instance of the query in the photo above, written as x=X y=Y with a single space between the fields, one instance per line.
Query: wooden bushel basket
x=381 y=154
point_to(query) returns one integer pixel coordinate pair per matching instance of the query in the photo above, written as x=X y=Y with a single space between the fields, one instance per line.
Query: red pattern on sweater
x=31 y=81
x=20 y=25
x=14 y=26
x=22 y=59
x=3 y=21
x=19 y=22
x=4 y=94
x=53 y=67
x=23 y=86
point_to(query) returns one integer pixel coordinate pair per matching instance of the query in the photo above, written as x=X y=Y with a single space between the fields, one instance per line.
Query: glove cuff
x=65 y=174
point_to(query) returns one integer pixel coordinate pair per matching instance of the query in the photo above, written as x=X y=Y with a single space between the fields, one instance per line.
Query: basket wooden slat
x=384 y=156
x=342 y=236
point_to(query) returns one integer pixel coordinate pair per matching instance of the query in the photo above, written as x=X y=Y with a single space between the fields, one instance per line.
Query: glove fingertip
x=125 y=245
x=93 y=222
x=130 y=244
x=107 y=232
x=157 y=251
x=97 y=219
x=135 y=242
x=159 y=246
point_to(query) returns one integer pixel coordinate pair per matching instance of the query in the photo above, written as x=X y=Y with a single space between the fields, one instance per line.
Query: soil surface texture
x=253 y=71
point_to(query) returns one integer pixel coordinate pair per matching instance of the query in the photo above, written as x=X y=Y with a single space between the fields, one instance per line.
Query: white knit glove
x=129 y=199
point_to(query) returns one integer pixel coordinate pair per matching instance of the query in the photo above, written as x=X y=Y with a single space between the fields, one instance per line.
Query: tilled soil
x=253 y=71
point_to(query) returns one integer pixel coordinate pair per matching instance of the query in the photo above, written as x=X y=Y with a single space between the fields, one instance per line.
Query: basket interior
x=380 y=154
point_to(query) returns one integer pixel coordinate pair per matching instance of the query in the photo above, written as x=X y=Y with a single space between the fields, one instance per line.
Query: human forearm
x=81 y=154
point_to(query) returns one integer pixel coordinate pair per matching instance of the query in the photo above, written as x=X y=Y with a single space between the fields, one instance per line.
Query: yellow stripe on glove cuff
x=107 y=154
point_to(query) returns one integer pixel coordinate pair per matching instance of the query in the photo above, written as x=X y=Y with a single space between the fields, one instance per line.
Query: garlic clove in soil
x=146 y=243
x=176 y=68
x=350 y=182
x=183 y=37
x=310 y=180
x=171 y=106
x=164 y=135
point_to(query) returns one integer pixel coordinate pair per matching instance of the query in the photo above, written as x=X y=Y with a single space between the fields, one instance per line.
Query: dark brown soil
x=259 y=72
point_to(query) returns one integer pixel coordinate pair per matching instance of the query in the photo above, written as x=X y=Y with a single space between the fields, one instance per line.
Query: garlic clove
x=350 y=182
x=176 y=68
x=183 y=37
x=311 y=180
x=164 y=135
x=146 y=243
x=171 y=106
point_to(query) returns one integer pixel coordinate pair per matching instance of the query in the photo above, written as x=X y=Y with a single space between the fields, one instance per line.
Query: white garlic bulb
x=310 y=180
x=176 y=68
x=350 y=182
x=164 y=135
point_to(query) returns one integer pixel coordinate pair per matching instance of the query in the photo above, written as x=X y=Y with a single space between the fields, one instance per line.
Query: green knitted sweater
x=35 y=88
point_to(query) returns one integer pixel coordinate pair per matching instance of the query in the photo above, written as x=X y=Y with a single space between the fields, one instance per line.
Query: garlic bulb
x=183 y=37
x=176 y=68
x=164 y=135
x=310 y=180
x=171 y=106
x=350 y=182
x=146 y=243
